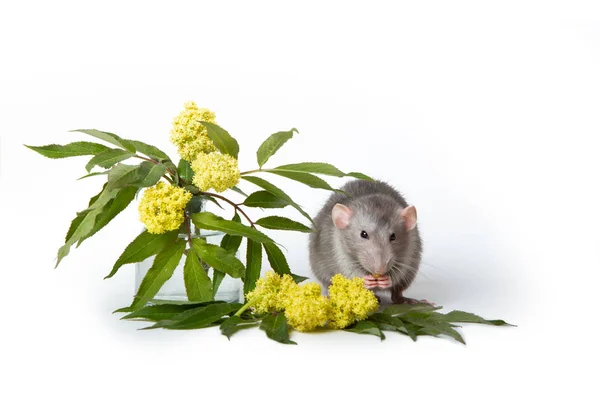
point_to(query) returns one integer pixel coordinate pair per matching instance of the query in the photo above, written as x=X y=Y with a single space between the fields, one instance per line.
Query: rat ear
x=341 y=216
x=409 y=216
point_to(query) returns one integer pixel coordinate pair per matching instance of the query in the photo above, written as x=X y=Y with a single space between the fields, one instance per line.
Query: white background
x=485 y=115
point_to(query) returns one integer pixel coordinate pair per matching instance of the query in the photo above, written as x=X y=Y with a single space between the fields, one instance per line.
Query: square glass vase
x=230 y=289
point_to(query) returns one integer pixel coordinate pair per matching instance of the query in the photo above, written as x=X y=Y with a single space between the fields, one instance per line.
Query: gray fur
x=376 y=208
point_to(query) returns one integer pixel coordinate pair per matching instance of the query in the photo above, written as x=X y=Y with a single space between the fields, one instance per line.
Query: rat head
x=375 y=231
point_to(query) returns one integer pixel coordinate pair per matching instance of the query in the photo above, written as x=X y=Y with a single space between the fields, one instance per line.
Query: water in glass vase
x=230 y=289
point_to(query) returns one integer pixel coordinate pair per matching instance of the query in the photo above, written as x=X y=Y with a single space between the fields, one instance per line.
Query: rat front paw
x=384 y=282
x=370 y=281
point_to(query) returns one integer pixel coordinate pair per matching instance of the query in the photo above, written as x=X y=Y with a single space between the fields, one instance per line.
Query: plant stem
x=245 y=306
x=237 y=207
x=251 y=171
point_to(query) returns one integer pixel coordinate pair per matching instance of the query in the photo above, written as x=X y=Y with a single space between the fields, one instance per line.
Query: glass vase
x=230 y=289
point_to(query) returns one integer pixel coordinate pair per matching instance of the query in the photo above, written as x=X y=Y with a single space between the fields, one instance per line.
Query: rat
x=367 y=230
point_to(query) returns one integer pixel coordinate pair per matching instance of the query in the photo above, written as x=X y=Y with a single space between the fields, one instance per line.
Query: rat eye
x=364 y=235
x=392 y=237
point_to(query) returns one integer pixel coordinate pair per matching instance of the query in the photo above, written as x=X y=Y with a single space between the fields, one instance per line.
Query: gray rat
x=371 y=232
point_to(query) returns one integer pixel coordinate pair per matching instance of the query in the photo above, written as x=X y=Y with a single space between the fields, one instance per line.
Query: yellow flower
x=271 y=292
x=215 y=170
x=189 y=135
x=350 y=301
x=306 y=309
x=162 y=207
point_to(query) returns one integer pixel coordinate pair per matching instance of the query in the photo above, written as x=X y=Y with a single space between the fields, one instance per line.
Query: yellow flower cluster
x=306 y=309
x=215 y=170
x=162 y=207
x=271 y=293
x=189 y=135
x=350 y=301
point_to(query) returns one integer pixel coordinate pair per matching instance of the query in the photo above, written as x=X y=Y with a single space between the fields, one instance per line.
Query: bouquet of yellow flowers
x=171 y=209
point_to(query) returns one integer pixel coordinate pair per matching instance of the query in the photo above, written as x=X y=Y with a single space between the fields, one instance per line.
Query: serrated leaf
x=305 y=178
x=159 y=312
x=149 y=150
x=267 y=186
x=436 y=330
x=162 y=269
x=109 y=137
x=276 y=328
x=272 y=145
x=266 y=200
x=235 y=323
x=282 y=223
x=78 y=148
x=231 y=243
x=185 y=171
x=224 y=142
x=142 y=247
x=206 y=220
x=198 y=285
x=238 y=190
x=466 y=317
x=80 y=216
x=108 y=158
x=111 y=210
x=312 y=167
x=392 y=323
x=432 y=324
x=122 y=175
x=198 y=317
x=150 y=174
x=299 y=278
x=366 y=327
x=253 y=265
x=399 y=309
x=99 y=173
x=277 y=259
x=87 y=222
x=218 y=258
x=360 y=176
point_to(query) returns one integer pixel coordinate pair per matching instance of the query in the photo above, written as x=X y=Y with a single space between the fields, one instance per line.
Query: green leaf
x=159 y=312
x=99 y=173
x=276 y=328
x=253 y=265
x=142 y=247
x=198 y=285
x=185 y=171
x=399 y=309
x=282 y=223
x=215 y=201
x=172 y=170
x=432 y=324
x=231 y=243
x=298 y=278
x=218 y=258
x=122 y=175
x=265 y=199
x=466 y=317
x=366 y=327
x=108 y=158
x=388 y=322
x=277 y=259
x=435 y=330
x=150 y=174
x=86 y=224
x=305 y=178
x=272 y=145
x=238 y=190
x=162 y=269
x=143 y=175
x=109 y=137
x=81 y=215
x=224 y=142
x=206 y=220
x=312 y=167
x=198 y=317
x=79 y=148
x=149 y=150
x=267 y=186
x=360 y=176
x=235 y=323
x=111 y=210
